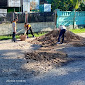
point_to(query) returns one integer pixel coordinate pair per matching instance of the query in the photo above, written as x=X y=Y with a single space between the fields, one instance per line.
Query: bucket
x=23 y=37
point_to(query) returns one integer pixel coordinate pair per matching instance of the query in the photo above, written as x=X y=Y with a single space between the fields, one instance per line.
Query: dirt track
x=81 y=34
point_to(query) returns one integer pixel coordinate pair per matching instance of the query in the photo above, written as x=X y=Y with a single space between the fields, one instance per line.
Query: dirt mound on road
x=57 y=58
x=39 y=56
x=51 y=38
x=48 y=55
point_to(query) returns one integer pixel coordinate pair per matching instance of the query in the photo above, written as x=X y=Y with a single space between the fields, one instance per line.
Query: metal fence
x=32 y=17
x=69 y=17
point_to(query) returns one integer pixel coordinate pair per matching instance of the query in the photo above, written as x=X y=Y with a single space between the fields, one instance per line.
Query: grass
x=78 y=30
x=41 y=34
x=17 y=36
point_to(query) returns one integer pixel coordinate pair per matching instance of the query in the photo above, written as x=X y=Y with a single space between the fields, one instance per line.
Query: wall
x=66 y=18
x=6 y=29
x=32 y=17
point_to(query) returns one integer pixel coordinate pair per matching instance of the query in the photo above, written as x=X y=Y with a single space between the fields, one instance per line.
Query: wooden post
x=19 y=9
x=14 y=9
x=26 y=17
x=13 y=15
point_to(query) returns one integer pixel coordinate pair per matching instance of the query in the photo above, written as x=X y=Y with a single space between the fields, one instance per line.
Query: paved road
x=71 y=74
x=12 y=62
x=13 y=73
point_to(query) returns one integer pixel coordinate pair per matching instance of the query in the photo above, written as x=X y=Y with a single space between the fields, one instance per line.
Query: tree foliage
x=81 y=7
x=68 y=5
x=77 y=3
x=64 y=5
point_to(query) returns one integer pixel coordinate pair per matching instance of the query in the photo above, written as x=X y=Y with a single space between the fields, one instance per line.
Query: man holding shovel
x=28 y=27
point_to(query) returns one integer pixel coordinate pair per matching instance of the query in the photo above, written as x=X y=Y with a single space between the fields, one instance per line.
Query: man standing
x=62 y=30
x=14 y=30
x=28 y=27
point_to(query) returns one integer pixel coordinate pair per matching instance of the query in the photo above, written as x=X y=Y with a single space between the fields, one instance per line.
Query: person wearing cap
x=28 y=27
x=14 y=30
x=62 y=30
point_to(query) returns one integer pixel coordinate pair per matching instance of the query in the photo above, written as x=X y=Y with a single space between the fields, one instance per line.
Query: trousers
x=30 y=32
x=62 y=32
x=13 y=37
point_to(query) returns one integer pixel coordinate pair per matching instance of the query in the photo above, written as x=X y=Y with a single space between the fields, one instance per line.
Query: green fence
x=70 y=17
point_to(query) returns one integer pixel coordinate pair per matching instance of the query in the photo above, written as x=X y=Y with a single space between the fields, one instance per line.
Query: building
x=3 y=3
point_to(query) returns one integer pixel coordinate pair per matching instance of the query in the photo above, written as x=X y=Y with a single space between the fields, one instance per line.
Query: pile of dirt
x=46 y=56
x=48 y=53
x=51 y=38
x=58 y=58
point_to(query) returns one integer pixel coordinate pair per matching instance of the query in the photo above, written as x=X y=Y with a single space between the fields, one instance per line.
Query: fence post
x=74 y=13
x=13 y=15
x=26 y=17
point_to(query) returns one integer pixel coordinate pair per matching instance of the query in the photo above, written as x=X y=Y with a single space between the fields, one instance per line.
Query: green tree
x=81 y=7
x=64 y=5
x=77 y=3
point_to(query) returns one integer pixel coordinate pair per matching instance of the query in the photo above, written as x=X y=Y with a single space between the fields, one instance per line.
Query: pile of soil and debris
x=48 y=53
x=54 y=58
x=46 y=56
x=51 y=38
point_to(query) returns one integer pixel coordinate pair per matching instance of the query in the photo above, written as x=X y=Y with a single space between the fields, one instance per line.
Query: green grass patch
x=18 y=36
x=78 y=30
x=38 y=34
